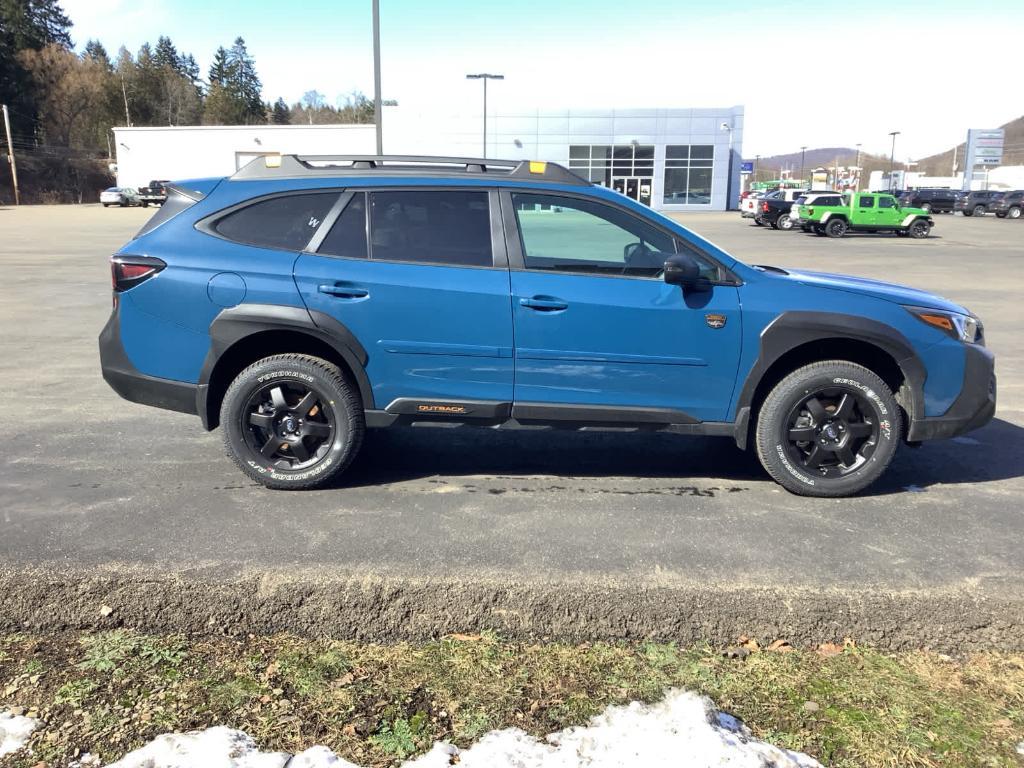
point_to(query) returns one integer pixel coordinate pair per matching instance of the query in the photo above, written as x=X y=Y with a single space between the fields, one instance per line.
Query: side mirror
x=681 y=269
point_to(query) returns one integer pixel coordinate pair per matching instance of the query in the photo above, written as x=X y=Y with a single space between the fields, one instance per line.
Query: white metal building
x=670 y=159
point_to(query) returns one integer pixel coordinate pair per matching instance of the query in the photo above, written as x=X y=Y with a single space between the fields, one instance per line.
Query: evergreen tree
x=280 y=114
x=166 y=55
x=95 y=51
x=26 y=25
x=245 y=84
x=219 y=71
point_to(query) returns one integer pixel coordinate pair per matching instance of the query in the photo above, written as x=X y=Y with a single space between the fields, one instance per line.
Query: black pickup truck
x=154 y=193
x=773 y=209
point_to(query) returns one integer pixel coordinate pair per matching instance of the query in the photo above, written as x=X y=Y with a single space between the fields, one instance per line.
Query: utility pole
x=955 y=148
x=10 y=156
x=892 y=157
x=485 y=77
x=803 y=151
x=376 y=77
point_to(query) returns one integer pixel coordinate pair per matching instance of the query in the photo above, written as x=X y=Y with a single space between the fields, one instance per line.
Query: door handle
x=544 y=304
x=343 y=291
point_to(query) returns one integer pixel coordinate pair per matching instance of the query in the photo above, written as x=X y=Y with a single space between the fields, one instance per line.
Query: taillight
x=810 y=211
x=128 y=271
x=765 y=207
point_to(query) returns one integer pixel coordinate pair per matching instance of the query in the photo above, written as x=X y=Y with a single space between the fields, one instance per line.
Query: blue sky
x=892 y=64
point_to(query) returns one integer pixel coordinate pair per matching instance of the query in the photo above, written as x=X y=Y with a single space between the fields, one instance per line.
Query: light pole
x=484 y=77
x=728 y=183
x=892 y=157
x=803 y=151
x=376 y=77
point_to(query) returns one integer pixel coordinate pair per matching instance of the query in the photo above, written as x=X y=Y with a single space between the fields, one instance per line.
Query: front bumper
x=129 y=383
x=975 y=406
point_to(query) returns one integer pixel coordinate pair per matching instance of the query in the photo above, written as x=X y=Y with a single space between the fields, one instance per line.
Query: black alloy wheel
x=288 y=424
x=832 y=432
x=920 y=229
x=835 y=228
x=292 y=421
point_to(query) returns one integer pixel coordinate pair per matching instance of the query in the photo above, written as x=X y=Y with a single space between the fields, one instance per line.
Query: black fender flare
x=796 y=328
x=236 y=323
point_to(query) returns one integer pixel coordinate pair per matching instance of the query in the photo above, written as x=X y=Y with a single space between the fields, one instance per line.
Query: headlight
x=966 y=328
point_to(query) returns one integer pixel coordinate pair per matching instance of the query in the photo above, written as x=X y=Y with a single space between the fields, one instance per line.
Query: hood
x=900 y=294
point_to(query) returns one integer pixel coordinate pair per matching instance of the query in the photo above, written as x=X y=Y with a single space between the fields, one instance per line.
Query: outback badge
x=715 y=320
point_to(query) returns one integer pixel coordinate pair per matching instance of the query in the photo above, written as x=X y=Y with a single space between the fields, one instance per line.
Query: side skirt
x=497 y=415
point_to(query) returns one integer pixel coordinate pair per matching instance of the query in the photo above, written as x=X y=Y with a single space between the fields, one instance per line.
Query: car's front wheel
x=828 y=429
x=292 y=421
x=920 y=229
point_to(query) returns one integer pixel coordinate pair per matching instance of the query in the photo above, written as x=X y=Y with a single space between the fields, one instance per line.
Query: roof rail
x=301 y=166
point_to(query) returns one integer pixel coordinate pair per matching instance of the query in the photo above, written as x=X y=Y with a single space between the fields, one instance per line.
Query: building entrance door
x=634 y=187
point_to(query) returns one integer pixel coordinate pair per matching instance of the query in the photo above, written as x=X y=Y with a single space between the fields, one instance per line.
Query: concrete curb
x=389 y=609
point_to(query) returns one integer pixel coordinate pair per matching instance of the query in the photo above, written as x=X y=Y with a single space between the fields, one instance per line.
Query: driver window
x=567 y=234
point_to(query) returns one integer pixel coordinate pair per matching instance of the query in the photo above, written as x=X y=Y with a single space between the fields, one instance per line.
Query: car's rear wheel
x=292 y=421
x=1014 y=212
x=828 y=429
x=819 y=230
x=979 y=210
x=966 y=212
x=805 y=227
x=836 y=228
x=758 y=222
x=919 y=229
x=784 y=222
x=926 y=207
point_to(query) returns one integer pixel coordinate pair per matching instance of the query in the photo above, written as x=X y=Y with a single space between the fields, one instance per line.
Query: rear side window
x=287 y=222
x=173 y=205
x=866 y=202
x=347 y=237
x=435 y=227
x=800 y=200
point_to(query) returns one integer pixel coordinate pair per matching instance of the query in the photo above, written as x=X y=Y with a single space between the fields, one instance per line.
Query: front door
x=595 y=324
x=426 y=296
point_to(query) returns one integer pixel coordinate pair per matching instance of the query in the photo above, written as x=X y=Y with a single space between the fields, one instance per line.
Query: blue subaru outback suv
x=305 y=299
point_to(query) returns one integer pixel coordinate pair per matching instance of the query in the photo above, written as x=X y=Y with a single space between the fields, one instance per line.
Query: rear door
x=420 y=278
x=863 y=212
x=596 y=325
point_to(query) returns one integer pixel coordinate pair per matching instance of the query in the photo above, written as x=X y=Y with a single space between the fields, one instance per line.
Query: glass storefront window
x=688 y=170
x=599 y=162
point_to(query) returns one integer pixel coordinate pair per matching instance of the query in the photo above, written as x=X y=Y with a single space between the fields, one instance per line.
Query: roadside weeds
x=110 y=692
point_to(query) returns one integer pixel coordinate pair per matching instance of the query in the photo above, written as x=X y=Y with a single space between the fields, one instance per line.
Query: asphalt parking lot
x=108 y=504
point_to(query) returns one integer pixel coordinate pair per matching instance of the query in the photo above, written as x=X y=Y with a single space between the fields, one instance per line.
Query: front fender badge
x=715 y=320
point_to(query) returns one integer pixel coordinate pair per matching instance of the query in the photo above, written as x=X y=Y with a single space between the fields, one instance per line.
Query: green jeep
x=834 y=215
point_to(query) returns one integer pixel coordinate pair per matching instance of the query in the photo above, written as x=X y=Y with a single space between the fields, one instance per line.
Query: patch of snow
x=1020 y=748
x=914 y=489
x=14 y=732
x=683 y=729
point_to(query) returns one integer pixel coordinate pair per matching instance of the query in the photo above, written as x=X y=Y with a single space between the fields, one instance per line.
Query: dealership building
x=669 y=159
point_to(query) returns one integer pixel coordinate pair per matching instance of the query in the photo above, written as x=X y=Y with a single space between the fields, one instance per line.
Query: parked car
x=776 y=211
x=153 y=194
x=299 y=302
x=930 y=200
x=976 y=203
x=864 y=212
x=808 y=203
x=748 y=206
x=122 y=196
x=1009 y=205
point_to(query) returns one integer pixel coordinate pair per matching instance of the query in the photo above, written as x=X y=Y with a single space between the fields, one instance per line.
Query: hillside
x=1013 y=151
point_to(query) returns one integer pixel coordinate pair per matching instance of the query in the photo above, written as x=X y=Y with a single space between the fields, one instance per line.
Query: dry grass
x=111 y=692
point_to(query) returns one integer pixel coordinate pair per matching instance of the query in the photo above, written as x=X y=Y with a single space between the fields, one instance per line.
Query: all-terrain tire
x=819 y=230
x=874 y=404
x=836 y=228
x=919 y=229
x=336 y=413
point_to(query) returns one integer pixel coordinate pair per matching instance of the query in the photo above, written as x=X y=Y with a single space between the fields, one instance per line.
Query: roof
x=311 y=166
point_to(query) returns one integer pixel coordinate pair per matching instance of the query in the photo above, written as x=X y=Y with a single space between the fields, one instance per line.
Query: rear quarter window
x=175 y=203
x=287 y=221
